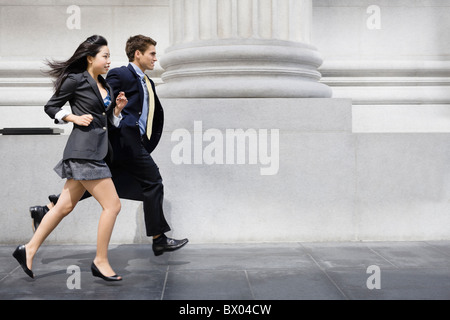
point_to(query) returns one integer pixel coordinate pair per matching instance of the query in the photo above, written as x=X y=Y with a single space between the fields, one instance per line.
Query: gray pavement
x=268 y=271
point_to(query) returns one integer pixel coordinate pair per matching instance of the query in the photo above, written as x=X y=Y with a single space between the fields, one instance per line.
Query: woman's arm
x=54 y=106
x=84 y=120
x=116 y=115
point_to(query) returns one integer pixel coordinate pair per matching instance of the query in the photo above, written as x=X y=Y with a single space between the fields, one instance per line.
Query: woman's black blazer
x=83 y=95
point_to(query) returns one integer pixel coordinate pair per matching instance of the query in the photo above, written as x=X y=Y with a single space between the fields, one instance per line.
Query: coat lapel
x=138 y=79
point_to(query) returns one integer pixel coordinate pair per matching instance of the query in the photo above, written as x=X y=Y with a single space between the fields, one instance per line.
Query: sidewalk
x=293 y=271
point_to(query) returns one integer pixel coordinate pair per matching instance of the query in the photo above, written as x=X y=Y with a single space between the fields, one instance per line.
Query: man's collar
x=137 y=69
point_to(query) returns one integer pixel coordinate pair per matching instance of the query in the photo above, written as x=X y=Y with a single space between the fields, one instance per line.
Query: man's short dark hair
x=138 y=42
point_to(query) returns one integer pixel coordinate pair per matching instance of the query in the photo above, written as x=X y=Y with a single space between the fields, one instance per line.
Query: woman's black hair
x=77 y=63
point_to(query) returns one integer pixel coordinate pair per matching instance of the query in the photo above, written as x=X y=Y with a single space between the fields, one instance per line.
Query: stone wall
x=369 y=164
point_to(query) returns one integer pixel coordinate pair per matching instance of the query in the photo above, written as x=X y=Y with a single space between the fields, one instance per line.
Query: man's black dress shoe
x=21 y=256
x=163 y=244
x=37 y=214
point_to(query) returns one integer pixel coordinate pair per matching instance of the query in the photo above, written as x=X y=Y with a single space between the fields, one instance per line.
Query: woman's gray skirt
x=78 y=169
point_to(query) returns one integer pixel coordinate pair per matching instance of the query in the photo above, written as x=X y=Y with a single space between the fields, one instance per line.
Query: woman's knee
x=64 y=209
x=114 y=207
x=118 y=206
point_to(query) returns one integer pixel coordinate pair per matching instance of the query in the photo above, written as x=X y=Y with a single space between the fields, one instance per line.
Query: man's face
x=147 y=59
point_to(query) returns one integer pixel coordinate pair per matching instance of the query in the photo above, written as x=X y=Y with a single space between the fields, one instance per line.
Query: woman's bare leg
x=70 y=195
x=105 y=193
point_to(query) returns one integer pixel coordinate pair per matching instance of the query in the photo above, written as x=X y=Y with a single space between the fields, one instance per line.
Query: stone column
x=241 y=49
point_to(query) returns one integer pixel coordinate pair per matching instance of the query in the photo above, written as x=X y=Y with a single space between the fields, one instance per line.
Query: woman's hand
x=121 y=102
x=84 y=120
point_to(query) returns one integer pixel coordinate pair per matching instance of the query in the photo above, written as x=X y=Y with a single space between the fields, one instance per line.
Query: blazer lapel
x=94 y=86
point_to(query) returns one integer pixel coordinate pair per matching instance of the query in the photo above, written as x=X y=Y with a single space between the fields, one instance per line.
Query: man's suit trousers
x=144 y=170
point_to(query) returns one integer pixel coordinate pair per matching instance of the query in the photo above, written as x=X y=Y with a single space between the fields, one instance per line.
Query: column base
x=242 y=69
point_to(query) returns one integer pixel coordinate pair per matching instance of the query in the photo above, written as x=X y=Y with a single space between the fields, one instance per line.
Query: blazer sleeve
x=66 y=93
x=114 y=122
x=113 y=79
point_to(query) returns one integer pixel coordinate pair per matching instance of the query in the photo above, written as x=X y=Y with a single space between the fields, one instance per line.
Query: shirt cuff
x=116 y=120
x=60 y=115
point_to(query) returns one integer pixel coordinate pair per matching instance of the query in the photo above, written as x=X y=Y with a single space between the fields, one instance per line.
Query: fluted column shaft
x=194 y=20
x=254 y=48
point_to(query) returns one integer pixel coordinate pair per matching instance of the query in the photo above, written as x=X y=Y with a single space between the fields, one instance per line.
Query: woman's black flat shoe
x=21 y=256
x=97 y=273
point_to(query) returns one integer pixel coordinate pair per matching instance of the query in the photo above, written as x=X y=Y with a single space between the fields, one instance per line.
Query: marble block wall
x=322 y=182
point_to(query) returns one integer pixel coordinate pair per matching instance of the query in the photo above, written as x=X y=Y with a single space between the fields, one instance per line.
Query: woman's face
x=101 y=62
